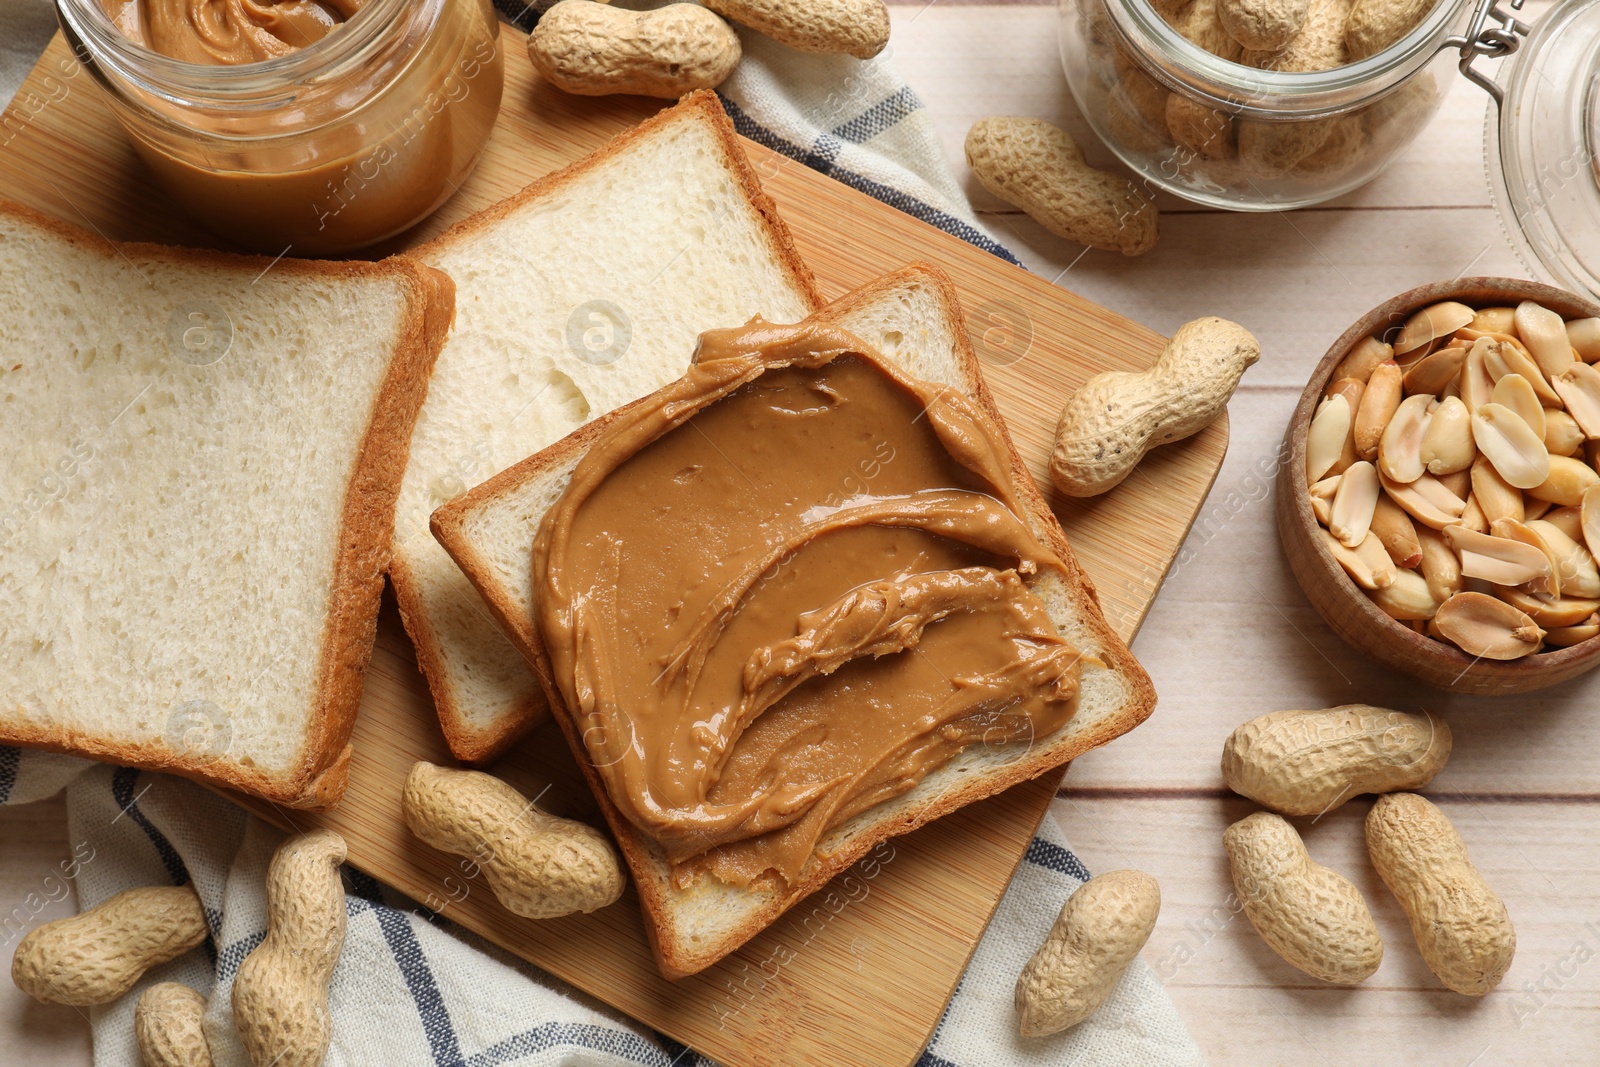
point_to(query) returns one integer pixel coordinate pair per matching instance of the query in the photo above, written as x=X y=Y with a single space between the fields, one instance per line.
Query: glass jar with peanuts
x=1453 y=467
x=1261 y=105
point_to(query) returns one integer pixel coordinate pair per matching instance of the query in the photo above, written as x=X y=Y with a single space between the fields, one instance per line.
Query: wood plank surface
x=802 y=992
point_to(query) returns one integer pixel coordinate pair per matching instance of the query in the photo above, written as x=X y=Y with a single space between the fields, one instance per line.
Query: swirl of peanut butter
x=228 y=32
x=787 y=588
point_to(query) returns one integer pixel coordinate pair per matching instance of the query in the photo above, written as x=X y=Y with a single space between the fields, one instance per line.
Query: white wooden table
x=1231 y=636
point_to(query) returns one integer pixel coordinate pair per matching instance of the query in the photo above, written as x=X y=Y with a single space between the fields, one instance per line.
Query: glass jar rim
x=1271 y=93
x=97 y=42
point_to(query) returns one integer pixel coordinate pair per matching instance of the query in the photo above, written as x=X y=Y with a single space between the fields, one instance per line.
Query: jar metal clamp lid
x=1493 y=33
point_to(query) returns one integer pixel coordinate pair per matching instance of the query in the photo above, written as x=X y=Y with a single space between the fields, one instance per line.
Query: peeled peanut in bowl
x=1439 y=499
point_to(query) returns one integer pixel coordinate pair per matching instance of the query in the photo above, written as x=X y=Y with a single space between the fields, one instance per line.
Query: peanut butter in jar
x=229 y=32
x=307 y=127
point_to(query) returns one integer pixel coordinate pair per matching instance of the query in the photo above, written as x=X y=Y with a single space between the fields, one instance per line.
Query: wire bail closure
x=1493 y=33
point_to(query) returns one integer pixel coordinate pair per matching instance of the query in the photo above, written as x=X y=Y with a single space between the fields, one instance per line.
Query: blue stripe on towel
x=822 y=157
x=122 y=783
x=363 y=885
x=413 y=964
x=231 y=956
x=881 y=117
x=123 y=779
x=1054 y=857
x=10 y=758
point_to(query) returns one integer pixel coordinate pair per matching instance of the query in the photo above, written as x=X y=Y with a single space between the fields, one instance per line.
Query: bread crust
x=321 y=772
x=484 y=746
x=470 y=747
x=677 y=960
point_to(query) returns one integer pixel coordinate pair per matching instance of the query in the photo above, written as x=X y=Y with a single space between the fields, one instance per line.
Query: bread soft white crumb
x=179 y=440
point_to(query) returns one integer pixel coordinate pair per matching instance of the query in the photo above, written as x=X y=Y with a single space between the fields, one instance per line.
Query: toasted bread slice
x=582 y=292
x=912 y=318
x=202 y=458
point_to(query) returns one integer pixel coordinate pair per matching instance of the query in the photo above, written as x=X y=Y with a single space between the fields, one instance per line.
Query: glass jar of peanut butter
x=303 y=127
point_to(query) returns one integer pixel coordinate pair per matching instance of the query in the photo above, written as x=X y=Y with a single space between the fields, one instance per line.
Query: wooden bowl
x=1339 y=601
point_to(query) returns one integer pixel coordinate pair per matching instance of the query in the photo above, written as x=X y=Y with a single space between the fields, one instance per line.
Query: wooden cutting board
x=860 y=972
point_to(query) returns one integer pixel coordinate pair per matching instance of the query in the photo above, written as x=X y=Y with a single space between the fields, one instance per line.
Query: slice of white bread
x=912 y=318
x=664 y=229
x=202 y=457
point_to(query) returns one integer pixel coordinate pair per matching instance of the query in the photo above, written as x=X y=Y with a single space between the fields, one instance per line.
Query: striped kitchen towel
x=854 y=121
x=413 y=990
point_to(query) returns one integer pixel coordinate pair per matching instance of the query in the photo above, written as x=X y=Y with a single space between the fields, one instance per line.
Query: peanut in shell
x=1460 y=923
x=1311 y=762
